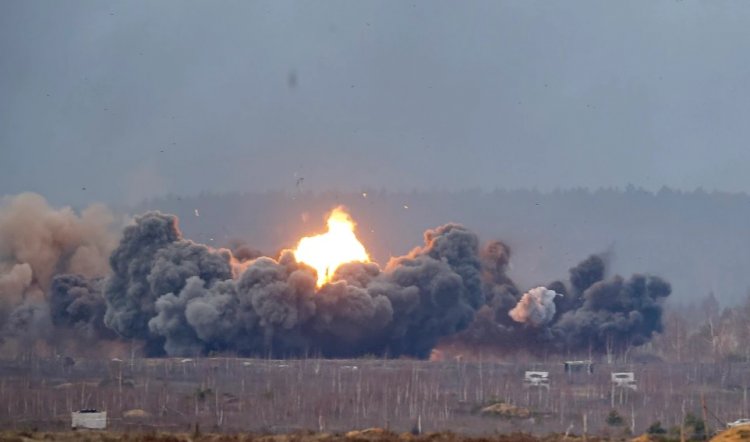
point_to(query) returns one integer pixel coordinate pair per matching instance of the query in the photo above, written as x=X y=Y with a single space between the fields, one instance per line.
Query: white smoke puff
x=536 y=307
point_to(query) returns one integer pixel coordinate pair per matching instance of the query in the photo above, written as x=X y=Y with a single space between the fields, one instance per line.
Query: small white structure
x=536 y=379
x=624 y=380
x=88 y=419
x=739 y=423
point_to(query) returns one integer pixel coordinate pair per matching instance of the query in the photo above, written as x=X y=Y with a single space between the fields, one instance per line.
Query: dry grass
x=733 y=435
x=359 y=436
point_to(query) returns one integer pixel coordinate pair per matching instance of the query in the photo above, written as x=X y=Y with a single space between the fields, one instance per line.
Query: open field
x=107 y=436
x=231 y=395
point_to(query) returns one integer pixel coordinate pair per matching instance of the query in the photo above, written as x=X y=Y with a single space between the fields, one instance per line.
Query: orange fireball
x=327 y=251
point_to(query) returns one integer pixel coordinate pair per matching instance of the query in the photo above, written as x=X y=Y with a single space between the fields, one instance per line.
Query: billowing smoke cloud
x=192 y=303
x=77 y=303
x=38 y=242
x=587 y=273
x=53 y=241
x=615 y=314
x=536 y=307
x=14 y=283
x=185 y=298
x=66 y=272
x=589 y=314
x=152 y=261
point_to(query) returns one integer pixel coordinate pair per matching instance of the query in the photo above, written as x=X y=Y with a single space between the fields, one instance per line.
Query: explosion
x=66 y=279
x=327 y=251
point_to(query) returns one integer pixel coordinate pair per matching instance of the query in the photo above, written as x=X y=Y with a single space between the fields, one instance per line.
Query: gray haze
x=119 y=101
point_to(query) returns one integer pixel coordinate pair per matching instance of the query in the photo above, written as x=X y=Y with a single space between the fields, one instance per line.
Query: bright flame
x=327 y=251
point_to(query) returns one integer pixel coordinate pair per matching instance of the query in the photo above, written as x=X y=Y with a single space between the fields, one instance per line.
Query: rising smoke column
x=581 y=276
x=615 y=314
x=500 y=291
x=38 y=242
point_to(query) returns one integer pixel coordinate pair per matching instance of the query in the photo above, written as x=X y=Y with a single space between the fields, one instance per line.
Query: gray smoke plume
x=77 y=303
x=589 y=315
x=151 y=261
x=500 y=291
x=459 y=248
x=170 y=320
x=130 y=301
x=187 y=299
x=587 y=273
x=243 y=252
x=615 y=314
x=536 y=307
x=64 y=272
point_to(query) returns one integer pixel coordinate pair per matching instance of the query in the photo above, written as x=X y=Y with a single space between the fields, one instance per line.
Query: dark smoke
x=184 y=297
x=615 y=314
x=585 y=274
x=153 y=260
x=180 y=298
x=499 y=290
x=243 y=252
x=77 y=303
x=590 y=315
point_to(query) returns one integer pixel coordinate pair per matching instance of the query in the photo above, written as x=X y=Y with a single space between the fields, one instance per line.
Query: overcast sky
x=140 y=98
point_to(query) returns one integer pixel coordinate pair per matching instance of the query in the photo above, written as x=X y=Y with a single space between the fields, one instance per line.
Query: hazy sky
x=139 y=98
